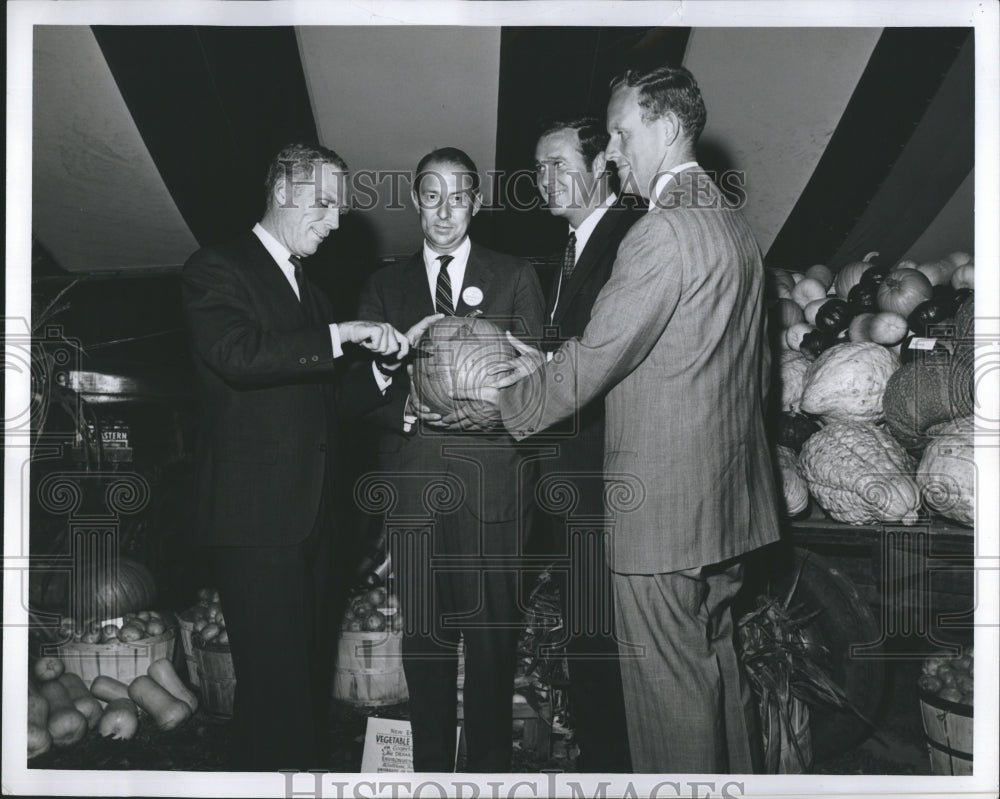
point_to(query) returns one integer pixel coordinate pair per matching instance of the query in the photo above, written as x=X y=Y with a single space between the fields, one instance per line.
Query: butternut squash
x=48 y=668
x=120 y=720
x=166 y=711
x=39 y=740
x=83 y=700
x=108 y=688
x=66 y=724
x=163 y=672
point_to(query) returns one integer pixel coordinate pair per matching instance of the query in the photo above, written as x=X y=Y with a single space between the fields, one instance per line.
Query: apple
x=155 y=627
x=375 y=623
x=109 y=632
x=376 y=597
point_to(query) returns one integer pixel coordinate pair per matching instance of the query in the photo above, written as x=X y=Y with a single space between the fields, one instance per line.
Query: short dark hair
x=303 y=159
x=447 y=155
x=591 y=134
x=665 y=89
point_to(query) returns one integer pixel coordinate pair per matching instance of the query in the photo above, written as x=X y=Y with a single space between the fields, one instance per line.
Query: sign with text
x=389 y=746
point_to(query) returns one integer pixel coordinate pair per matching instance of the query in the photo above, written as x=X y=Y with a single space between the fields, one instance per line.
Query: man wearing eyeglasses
x=468 y=494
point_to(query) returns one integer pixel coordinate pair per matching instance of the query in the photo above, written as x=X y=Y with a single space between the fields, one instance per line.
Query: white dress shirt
x=665 y=178
x=456 y=269
x=582 y=237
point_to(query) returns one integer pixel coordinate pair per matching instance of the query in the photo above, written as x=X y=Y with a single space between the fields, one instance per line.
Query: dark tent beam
x=212 y=105
x=902 y=77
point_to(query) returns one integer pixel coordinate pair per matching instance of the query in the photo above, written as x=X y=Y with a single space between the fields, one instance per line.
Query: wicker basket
x=187 y=628
x=118 y=659
x=217 y=677
x=369 y=669
x=948 y=732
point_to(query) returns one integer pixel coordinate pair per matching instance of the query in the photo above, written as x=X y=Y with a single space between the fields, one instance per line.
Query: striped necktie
x=442 y=294
x=569 y=259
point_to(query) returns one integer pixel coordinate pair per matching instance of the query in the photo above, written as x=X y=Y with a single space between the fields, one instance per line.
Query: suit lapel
x=589 y=259
x=417 y=290
x=274 y=282
x=478 y=275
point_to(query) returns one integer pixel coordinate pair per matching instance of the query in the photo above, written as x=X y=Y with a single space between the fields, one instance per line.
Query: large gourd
x=793 y=485
x=847 y=382
x=860 y=475
x=947 y=472
x=793 y=369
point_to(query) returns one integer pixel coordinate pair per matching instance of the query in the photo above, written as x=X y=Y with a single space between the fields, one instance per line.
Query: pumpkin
x=847 y=382
x=462 y=351
x=959 y=258
x=833 y=316
x=888 y=328
x=903 y=290
x=964 y=277
x=860 y=475
x=860 y=327
x=821 y=274
x=66 y=724
x=806 y=291
x=83 y=700
x=793 y=486
x=937 y=272
x=167 y=711
x=793 y=369
x=787 y=313
x=163 y=672
x=131 y=590
x=120 y=720
x=795 y=334
x=108 y=688
x=918 y=395
x=850 y=275
x=863 y=298
x=947 y=472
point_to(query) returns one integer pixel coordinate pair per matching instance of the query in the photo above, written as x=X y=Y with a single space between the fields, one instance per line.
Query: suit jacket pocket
x=246 y=449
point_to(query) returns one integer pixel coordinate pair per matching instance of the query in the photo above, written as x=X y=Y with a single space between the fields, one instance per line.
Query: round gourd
x=810 y=311
x=888 y=328
x=903 y=290
x=959 y=258
x=847 y=382
x=833 y=316
x=460 y=351
x=820 y=273
x=928 y=315
x=874 y=275
x=860 y=475
x=937 y=272
x=808 y=290
x=795 y=334
x=947 y=472
x=787 y=313
x=816 y=342
x=964 y=277
x=918 y=395
x=863 y=298
x=860 y=327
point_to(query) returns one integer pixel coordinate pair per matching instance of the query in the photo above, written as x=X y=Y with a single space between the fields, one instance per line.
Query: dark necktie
x=442 y=294
x=569 y=259
x=303 y=284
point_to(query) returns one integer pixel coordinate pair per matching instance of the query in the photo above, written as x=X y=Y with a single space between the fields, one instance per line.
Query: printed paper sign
x=389 y=746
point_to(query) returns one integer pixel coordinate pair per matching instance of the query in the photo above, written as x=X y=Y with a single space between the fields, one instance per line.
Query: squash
x=919 y=394
x=163 y=672
x=120 y=720
x=937 y=272
x=811 y=309
x=821 y=274
x=959 y=258
x=83 y=700
x=874 y=275
x=132 y=590
x=793 y=485
x=167 y=711
x=787 y=313
x=815 y=342
x=850 y=275
x=964 y=277
x=859 y=474
x=863 y=298
x=66 y=724
x=48 y=668
x=808 y=290
x=833 y=316
x=108 y=688
x=847 y=382
x=903 y=290
x=929 y=315
x=39 y=740
x=947 y=472
x=795 y=334
x=888 y=328
x=792 y=370
x=860 y=327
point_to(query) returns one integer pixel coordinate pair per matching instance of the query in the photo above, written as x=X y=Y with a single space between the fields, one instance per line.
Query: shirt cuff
x=548 y=355
x=338 y=350
x=382 y=381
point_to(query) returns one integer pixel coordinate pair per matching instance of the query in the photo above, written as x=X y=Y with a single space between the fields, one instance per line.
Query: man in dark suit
x=571 y=172
x=264 y=348
x=465 y=497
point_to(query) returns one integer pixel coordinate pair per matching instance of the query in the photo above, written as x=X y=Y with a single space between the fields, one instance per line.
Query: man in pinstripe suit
x=676 y=339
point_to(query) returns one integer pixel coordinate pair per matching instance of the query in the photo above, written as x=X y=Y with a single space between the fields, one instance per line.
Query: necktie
x=569 y=259
x=300 y=278
x=442 y=294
